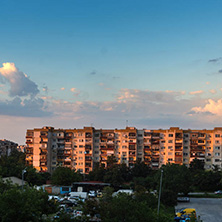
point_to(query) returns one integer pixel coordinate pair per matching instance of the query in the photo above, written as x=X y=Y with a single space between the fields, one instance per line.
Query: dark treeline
x=33 y=205
x=176 y=178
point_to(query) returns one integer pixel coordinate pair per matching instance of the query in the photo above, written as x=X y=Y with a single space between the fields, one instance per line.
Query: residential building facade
x=6 y=147
x=83 y=149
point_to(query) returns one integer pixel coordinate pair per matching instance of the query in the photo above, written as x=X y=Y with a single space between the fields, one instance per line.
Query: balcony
x=147 y=135
x=42 y=164
x=88 y=141
x=29 y=142
x=29 y=136
x=111 y=136
x=110 y=142
x=178 y=148
x=88 y=135
x=155 y=136
x=88 y=147
x=61 y=141
x=155 y=160
x=43 y=136
x=155 y=142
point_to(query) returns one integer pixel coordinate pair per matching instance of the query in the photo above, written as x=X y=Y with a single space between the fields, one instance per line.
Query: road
x=209 y=209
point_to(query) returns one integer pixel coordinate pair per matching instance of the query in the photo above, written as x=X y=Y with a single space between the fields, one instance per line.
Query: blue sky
x=74 y=63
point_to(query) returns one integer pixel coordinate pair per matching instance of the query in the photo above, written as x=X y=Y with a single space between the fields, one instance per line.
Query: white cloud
x=73 y=89
x=207 y=83
x=62 y=88
x=213 y=91
x=213 y=107
x=196 y=92
x=45 y=89
x=20 y=84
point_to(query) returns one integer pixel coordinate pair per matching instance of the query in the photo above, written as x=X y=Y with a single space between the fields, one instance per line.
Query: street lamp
x=161 y=178
x=23 y=172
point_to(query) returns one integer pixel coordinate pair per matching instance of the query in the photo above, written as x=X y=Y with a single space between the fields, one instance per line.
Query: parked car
x=218 y=192
x=53 y=197
x=186 y=212
x=183 y=199
x=92 y=193
x=77 y=213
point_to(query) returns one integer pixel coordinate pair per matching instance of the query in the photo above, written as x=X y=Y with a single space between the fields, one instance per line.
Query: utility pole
x=158 y=208
x=23 y=172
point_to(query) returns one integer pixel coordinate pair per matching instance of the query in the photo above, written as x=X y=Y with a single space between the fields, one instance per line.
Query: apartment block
x=82 y=149
x=6 y=147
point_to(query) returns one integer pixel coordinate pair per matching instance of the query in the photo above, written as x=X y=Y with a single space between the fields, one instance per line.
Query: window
x=140 y=135
x=217 y=147
x=170 y=147
x=185 y=154
x=162 y=147
x=170 y=141
x=124 y=153
x=80 y=152
x=96 y=134
x=217 y=154
x=170 y=135
x=170 y=159
x=208 y=154
x=217 y=160
x=217 y=141
x=217 y=135
x=208 y=160
x=186 y=148
x=96 y=141
x=96 y=152
x=81 y=140
x=170 y=153
x=80 y=158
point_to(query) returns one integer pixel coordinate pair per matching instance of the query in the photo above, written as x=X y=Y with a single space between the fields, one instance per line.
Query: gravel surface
x=209 y=209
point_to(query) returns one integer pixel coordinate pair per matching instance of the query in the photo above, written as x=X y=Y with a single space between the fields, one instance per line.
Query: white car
x=92 y=193
x=218 y=192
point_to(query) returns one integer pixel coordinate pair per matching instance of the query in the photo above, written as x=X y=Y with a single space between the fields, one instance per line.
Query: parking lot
x=209 y=209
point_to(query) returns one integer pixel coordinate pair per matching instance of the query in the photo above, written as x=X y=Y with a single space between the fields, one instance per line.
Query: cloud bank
x=20 y=84
x=25 y=102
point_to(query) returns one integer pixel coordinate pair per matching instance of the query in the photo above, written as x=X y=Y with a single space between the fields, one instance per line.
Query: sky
x=109 y=63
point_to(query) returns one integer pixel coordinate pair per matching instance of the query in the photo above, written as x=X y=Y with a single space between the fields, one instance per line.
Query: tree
x=176 y=178
x=197 y=165
x=65 y=176
x=140 y=169
x=24 y=205
x=124 y=207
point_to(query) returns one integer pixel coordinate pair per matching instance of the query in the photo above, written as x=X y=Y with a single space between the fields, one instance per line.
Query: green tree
x=126 y=208
x=65 y=176
x=24 y=205
x=176 y=178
